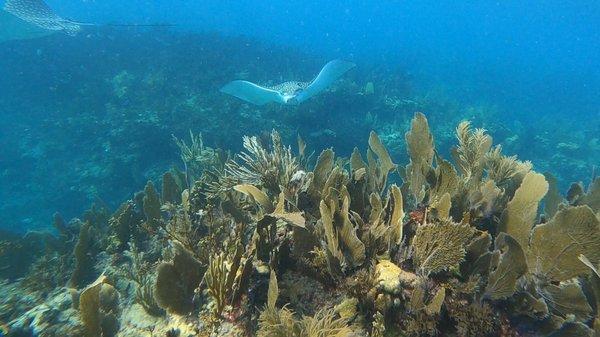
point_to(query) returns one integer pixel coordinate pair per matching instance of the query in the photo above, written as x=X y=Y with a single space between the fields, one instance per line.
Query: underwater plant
x=363 y=246
x=275 y=322
x=140 y=271
x=196 y=157
x=270 y=168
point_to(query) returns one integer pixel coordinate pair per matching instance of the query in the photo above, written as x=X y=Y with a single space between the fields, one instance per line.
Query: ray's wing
x=329 y=74
x=33 y=11
x=252 y=93
x=37 y=12
x=29 y=9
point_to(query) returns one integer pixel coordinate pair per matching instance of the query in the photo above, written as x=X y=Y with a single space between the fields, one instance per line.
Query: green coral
x=140 y=271
x=196 y=157
x=219 y=279
x=470 y=154
x=261 y=166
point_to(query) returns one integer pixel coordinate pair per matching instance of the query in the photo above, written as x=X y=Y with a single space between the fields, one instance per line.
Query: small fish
x=288 y=93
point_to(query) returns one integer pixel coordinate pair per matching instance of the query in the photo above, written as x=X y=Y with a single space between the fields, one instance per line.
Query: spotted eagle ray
x=288 y=93
x=38 y=13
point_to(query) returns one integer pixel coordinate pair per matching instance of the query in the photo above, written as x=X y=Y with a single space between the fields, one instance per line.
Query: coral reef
x=269 y=243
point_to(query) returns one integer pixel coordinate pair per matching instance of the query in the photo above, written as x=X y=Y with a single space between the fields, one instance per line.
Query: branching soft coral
x=275 y=322
x=260 y=166
x=501 y=168
x=470 y=152
x=324 y=324
x=140 y=271
x=196 y=157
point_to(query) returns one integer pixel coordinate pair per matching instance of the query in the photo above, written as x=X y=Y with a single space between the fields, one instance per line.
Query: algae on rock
x=225 y=278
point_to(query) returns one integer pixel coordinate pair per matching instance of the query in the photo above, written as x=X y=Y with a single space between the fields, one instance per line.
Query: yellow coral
x=520 y=213
x=392 y=278
x=259 y=166
x=470 y=153
x=419 y=142
x=556 y=245
x=99 y=309
x=508 y=265
x=440 y=247
x=501 y=168
x=553 y=198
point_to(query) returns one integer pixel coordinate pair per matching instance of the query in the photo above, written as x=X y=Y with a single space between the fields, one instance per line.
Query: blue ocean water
x=84 y=117
x=542 y=55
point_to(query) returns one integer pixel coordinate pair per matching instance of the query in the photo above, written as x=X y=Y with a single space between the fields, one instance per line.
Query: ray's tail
x=92 y=24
